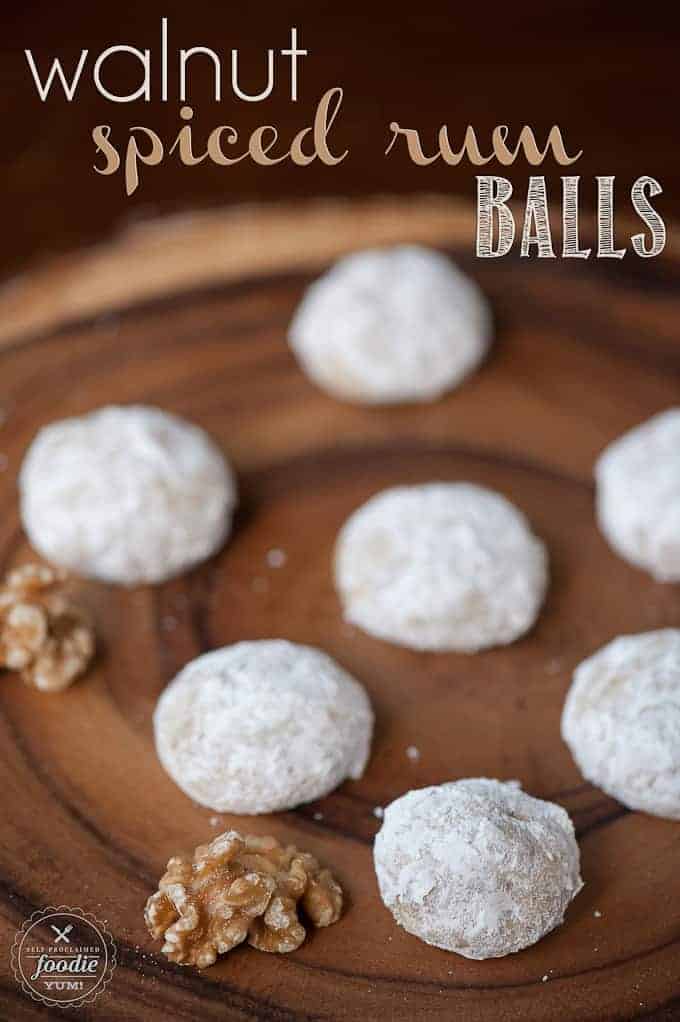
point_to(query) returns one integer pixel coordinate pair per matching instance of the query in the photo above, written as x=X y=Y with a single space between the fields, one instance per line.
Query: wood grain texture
x=88 y=816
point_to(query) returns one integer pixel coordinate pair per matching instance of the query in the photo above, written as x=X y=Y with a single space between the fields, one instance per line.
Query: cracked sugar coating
x=477 y=866
x=440 y=566
x=262 y=726
x=391 y=325
x=128 y=494
x=638 y=495
x=621 y=720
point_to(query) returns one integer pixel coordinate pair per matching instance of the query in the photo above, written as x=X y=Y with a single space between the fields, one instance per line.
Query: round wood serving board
x=191 y=315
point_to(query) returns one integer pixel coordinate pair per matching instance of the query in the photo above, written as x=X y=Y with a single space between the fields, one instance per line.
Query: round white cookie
x=638 y=495
x=391 y=325
x=621 y=720
x=477 y=866
x=262 y=726
x=440 y=566
x=126 y=494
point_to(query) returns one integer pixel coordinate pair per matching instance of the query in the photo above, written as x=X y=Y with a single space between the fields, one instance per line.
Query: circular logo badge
x=63 y=957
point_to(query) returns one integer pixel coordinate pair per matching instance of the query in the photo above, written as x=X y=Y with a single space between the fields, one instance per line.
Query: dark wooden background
x=606 y=72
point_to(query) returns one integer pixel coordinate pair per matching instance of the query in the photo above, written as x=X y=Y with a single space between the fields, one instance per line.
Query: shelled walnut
x=237 y=888
x=43 y=635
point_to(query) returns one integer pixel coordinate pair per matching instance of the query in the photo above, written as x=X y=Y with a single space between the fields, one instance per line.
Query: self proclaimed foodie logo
x=63 y=957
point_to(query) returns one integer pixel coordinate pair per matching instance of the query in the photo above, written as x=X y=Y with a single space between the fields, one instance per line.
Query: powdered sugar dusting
x=262 y=726
x=276 y=557
x=621 y=720
x=477 y=866
x=638 y=495
x=392 y=324
x=128 y=494
x=440 y=566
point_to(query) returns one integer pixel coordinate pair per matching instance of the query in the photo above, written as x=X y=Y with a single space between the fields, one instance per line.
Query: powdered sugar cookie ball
x=440 y=566
x=390 y=325
x=127 y=494
x=621 y=720
x=262 y=726
x=638 y=495
x=477 y=866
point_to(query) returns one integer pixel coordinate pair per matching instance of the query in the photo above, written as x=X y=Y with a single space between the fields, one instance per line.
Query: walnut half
x=42 y=634
x=239 y=888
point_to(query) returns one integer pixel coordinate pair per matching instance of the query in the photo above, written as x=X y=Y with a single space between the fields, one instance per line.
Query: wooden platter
x=191 y=315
